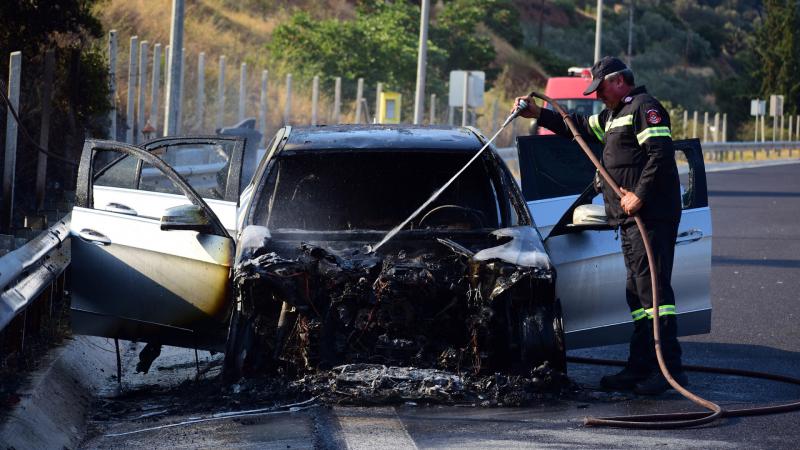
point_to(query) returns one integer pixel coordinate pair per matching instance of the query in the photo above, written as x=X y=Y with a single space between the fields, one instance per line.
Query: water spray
x=523 y=105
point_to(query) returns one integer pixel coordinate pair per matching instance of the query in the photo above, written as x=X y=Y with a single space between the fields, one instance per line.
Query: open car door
x=154 y=278
x=556 y=177
x=211 y=165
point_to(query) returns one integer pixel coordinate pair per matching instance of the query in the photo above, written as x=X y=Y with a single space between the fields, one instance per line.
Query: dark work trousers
x=639 y=294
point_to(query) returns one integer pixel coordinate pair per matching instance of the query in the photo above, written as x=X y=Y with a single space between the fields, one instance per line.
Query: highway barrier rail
x=32 y=281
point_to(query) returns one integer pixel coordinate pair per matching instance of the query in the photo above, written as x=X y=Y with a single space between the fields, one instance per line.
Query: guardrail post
x=201 y=91
x=242 y=91
x=44 y=132
x=359 y=95
x=221 y=94
x=142 y=85
x=337 y=100
x=132 y=74
x=154 y=88
x=287 y=107
x=432 y=119
x=112 y=83
x=10 y=160
x=314 y=100
x=262 y=109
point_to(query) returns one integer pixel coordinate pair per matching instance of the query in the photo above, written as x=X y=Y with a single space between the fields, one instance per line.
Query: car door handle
x=121 y=209
x=689 y=236
x=94 y=237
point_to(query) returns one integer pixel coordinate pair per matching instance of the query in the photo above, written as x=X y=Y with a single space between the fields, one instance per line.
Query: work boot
x=656 y=384
x=624 y=380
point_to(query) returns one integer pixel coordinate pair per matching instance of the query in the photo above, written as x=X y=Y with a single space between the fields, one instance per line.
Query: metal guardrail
x=27 y=272
x=716 y=151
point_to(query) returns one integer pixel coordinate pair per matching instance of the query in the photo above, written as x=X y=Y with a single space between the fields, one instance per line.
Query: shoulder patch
x=653 y=117
x=627 y=99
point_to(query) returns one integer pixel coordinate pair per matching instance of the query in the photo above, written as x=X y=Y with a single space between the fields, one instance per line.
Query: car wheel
x=541 y=333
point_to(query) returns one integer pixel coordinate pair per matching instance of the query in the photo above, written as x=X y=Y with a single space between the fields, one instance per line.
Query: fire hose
x=668 y=420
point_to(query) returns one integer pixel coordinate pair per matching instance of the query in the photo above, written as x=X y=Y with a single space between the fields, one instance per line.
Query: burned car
x=170 y=250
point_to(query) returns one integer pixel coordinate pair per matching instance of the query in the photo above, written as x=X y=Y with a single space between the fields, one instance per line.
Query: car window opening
x=324 y=191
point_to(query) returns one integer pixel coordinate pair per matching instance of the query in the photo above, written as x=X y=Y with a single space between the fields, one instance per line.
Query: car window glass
x=112 y=170
x=203 y=166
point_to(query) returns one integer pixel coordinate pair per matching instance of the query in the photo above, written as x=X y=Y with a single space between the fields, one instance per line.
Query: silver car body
x=134 y=280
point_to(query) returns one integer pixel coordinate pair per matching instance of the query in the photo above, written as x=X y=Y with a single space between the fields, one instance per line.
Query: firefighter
x=638 y=153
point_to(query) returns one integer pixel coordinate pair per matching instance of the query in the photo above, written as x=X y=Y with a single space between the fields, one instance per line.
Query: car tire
x=541 y=336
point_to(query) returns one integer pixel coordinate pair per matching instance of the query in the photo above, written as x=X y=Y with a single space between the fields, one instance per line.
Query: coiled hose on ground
x=668 y=420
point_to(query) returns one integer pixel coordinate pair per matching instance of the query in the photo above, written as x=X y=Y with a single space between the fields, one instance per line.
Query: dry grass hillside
x=221 y=27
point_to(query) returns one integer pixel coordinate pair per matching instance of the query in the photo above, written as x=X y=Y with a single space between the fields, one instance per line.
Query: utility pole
x=419 y=97
x=598 y=31
x=175 y=60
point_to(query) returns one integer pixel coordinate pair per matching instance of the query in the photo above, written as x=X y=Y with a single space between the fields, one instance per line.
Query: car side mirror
x=186 y=217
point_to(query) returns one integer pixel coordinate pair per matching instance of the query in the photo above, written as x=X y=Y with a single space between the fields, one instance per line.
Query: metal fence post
x=10 y=160
x=201 y=91
x=44 y=132
x=694 y=124
x=221 y=94
x=378 y=92
x=465 y=101
x=432 y=119
x=359 y=95
x=179 y=123
x=112 y=83
x=337 y=100
x=155 y=88
x=167 y=72
x=262 y=110
x=685 y=123
x=242 y=92
x=287 y=107
x=705 y=126
x=142 y=86
x=132 y=75
x=314 y=100
x=172 y=114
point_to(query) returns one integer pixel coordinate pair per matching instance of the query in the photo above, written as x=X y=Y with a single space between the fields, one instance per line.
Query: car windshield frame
x=507 y=210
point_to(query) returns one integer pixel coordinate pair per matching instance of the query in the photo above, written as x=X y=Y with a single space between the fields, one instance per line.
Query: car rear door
x=212 y=165
x=133 y=280
x=556 y=177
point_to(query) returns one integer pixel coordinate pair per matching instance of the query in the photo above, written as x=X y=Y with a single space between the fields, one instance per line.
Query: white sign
x=476 y=86
x=775 y=105
x=758 y=107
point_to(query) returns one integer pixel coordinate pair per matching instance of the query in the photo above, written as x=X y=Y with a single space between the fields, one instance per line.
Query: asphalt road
x=756 y=299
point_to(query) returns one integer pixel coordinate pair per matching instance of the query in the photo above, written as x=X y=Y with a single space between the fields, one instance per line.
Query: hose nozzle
x=523 y=105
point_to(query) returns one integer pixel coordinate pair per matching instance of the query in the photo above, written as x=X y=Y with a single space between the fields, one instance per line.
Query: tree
x=778 y=50
x=80 y=95
x=380 y=44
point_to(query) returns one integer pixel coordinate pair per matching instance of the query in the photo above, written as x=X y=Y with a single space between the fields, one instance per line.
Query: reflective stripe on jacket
x=637 y=152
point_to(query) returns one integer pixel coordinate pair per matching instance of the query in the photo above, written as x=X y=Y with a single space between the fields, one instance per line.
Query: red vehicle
x=568 y=92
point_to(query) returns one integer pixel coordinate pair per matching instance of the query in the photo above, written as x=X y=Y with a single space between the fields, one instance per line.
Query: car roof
x=381 y=137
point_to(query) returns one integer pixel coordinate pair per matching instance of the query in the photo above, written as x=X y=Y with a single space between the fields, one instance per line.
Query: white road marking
x=372 y=428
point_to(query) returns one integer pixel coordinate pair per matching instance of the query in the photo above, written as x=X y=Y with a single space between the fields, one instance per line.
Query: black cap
x=603 y=68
